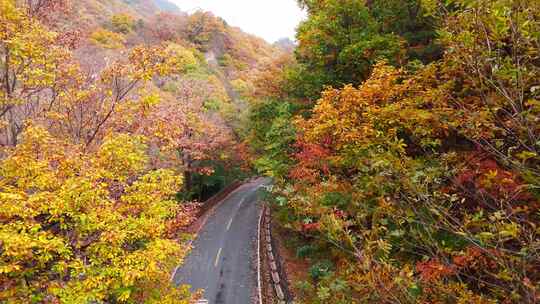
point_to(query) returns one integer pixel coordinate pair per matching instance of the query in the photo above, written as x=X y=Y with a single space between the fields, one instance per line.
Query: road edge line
x=259 y=254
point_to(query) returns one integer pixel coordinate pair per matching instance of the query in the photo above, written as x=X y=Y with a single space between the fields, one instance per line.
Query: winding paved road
x=223 y=260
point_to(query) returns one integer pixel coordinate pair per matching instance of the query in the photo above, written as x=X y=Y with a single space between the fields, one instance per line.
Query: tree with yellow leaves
x=85 y=217
x=80 y=228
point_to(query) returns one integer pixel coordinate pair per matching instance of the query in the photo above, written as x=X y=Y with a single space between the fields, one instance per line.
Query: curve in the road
x=223 y=259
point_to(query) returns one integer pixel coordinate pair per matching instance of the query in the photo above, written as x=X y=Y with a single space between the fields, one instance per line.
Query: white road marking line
x=239 y=205
x=242 y=201
x=259 y=255
x=229 y=225
x=217 y=257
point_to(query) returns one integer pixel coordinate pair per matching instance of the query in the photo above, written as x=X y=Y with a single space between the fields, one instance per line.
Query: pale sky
x=268 y=19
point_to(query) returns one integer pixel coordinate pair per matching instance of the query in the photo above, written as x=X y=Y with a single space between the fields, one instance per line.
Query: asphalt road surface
x=223 y=260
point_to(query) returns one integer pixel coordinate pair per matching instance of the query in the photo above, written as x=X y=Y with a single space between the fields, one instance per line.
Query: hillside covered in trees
x=403 y=137
x=113 y=124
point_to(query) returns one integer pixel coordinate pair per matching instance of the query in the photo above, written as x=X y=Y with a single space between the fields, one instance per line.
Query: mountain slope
x=168 y=6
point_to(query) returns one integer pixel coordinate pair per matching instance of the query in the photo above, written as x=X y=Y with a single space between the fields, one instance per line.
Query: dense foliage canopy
x=403 y=138
x=410 y=181
x=111 y=123
x=341 y=40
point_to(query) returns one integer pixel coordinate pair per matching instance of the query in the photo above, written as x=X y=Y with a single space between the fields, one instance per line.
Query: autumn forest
x=402 y=138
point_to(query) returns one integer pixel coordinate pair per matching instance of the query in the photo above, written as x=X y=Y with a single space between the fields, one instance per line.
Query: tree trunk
x=188 y=176
x=11 y=129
